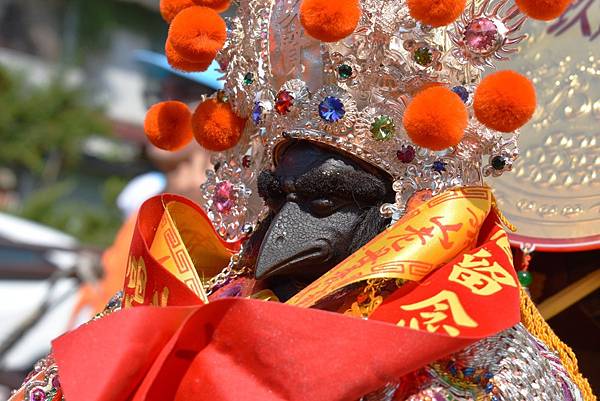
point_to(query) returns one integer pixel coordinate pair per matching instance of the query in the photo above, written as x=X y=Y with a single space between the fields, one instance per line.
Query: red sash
x=242 y=349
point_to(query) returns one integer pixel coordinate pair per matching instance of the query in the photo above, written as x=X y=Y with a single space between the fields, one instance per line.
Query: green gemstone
x=248 y=78
x=383 y=128
x=345 y=71
x=423 y=56
x=525 y=278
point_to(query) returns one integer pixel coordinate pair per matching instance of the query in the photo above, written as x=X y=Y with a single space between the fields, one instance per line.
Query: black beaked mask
x=324 y=206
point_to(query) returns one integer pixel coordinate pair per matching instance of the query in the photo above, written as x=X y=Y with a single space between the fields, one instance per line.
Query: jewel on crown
x=396 y=83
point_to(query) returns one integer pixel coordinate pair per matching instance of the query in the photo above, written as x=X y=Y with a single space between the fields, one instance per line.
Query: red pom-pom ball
x=504 y=101
x=170 y=8
x=436 y=12
x=216 y=127
x=436 y=118
x=168 y=125
x=544 y=10
x=198 y=33
x=217 y=5
x=181 y=63
x=330 y=20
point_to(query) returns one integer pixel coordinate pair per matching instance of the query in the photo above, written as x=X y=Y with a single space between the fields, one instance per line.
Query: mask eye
x=269 y=189
x=323 y=207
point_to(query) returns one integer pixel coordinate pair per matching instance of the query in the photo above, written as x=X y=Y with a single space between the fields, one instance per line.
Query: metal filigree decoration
x=352 y=94
x=488 y=32
x=45 y=388
x=226 y=198
x=512 y=365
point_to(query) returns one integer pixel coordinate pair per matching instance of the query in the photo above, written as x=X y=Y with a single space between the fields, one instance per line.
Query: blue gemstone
x=489 y=387
x=494 y=398
x=468 y=371
x=462 y=92
x=488 y=375
x=439 y=166
x=332 y=109
x=257 y=113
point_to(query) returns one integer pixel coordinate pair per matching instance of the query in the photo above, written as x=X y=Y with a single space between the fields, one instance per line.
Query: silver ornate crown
x=352 y=95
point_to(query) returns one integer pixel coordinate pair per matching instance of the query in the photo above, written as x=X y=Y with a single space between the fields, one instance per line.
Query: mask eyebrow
x=269 y=186
x=353 y=184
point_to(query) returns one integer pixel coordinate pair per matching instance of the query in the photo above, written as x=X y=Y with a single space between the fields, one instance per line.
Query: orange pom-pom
x=504 y=101
x=436 y=12
x=198 y=33
x=544 y=10
x=216 y=127
x=168 y=125
x=217 y=5
x=170 y=8
x=330 y=20
x=436 y=118
x=181 y=63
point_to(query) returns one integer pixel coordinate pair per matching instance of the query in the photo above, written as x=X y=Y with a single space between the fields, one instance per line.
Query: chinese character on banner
x=445 y=229
x=164 y=298
x=411 y=234
x=480 y=275
x=442 y=311
x=372 y=256
x=578 y=15
x=136 y=277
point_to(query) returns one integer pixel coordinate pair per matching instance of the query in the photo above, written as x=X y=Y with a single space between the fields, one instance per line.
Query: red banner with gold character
x=174 y=243
x=474 y=295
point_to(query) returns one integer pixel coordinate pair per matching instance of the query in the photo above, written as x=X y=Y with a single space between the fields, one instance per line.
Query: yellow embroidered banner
x=169 y=249
x=457 y=298
x=425 y=239
x=174 y=252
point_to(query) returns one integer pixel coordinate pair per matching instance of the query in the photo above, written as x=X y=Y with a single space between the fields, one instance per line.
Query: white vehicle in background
x=40 y=273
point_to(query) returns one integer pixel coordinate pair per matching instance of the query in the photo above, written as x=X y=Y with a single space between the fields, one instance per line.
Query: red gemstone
x=224 y=197
x=37 y=395
x=247 y=161
x=481 y=36
x=406 y=154
x=284 y=102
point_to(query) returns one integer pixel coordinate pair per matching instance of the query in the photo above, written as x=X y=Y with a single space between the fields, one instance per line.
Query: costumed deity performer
x=350 y=144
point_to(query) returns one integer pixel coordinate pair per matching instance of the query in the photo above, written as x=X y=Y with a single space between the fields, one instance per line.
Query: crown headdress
x=397 y=84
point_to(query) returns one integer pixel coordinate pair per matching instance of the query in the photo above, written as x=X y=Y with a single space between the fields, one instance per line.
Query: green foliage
x=112 y=188
x=99 y=18
x=37 y=205
x=41 y=130
x=55 y=206
x=39 y=121
x=42 y=127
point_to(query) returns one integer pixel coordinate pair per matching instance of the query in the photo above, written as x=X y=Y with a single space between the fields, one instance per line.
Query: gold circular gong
x=553 y=192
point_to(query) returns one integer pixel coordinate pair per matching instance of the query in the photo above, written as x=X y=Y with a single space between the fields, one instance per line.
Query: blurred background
x=76 y=78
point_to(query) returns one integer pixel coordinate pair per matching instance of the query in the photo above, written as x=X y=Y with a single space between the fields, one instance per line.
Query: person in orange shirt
x=182 y=172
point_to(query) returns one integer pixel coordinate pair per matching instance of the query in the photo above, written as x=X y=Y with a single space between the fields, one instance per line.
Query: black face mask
x=324 y=206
